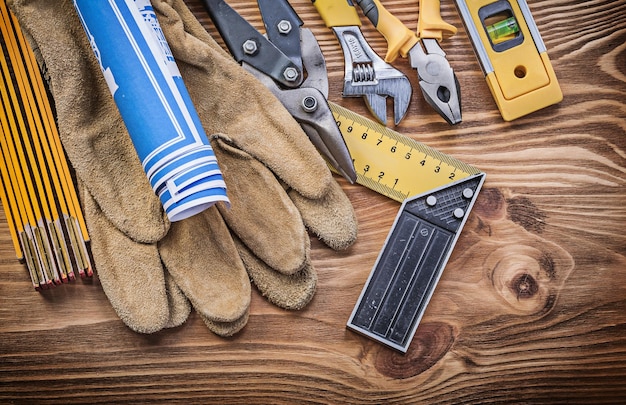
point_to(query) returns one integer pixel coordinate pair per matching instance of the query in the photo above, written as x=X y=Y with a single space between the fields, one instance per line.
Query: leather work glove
x=277 y=183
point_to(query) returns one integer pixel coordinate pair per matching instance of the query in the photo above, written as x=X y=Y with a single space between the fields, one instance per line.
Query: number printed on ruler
x=393 y=164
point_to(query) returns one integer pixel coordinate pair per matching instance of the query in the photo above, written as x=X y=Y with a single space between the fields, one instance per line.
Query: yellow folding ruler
x=36 y=190
x=437 y=193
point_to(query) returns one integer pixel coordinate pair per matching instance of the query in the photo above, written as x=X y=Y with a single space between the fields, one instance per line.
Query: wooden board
x=531 y=307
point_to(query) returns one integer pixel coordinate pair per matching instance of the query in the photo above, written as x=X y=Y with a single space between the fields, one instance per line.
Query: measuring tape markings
x=393 y=164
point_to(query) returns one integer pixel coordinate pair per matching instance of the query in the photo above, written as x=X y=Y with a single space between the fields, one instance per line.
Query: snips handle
x=248 y=45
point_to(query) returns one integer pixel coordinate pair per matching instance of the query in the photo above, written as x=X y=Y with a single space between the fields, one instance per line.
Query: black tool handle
x=246 y=44
x=369 y=9
x=282 y=26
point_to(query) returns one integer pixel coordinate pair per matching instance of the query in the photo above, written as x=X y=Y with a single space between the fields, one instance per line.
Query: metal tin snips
x=289 y=62
x=437 y=80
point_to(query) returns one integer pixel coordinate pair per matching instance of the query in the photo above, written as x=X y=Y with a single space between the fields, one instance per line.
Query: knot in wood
x=431 y=342
x=490 y=204
x=524 y=286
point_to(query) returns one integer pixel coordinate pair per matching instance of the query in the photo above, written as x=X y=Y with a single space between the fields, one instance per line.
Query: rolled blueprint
x=154 y=103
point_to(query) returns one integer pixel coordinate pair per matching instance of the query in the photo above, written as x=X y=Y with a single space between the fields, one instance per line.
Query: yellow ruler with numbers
x=393 y=164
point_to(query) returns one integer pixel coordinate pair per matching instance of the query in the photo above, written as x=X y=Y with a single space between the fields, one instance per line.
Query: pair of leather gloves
x=154 y=271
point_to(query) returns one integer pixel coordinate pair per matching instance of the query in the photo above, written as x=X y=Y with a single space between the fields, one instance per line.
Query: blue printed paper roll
x=153 y=101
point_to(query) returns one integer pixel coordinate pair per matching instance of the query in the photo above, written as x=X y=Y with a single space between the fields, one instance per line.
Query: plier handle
x=280 y=61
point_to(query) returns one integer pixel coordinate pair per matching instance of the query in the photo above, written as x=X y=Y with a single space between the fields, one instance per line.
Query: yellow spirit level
x=512 y=55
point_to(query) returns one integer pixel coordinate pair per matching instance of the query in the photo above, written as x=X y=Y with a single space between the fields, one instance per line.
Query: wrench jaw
x=437 y=79
x=367 y=75
x=376 y=98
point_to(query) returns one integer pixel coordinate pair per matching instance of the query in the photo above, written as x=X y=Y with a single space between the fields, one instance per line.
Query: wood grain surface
x=530 y=309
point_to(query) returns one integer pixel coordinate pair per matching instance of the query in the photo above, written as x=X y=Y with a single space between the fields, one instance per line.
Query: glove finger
x=90 y=127
x=180 y=19
x=331 y=218
x=131 y=273
x=261 y=213
x=226 y=329
x=293 y=291
x=203 y=261
x=179 y=305
x=240 y=105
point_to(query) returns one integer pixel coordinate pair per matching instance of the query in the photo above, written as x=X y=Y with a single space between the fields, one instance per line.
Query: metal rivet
x=309 y=104
x=468 y=193
x=284 y=27
x=459 y=213
x=431 y=200
x=250 y=47
x=291 y=74
x=433 y=69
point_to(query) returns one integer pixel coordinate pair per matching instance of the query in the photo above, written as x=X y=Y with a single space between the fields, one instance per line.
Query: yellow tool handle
x=337 y=13
x=400 y=39
x=430 y=24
